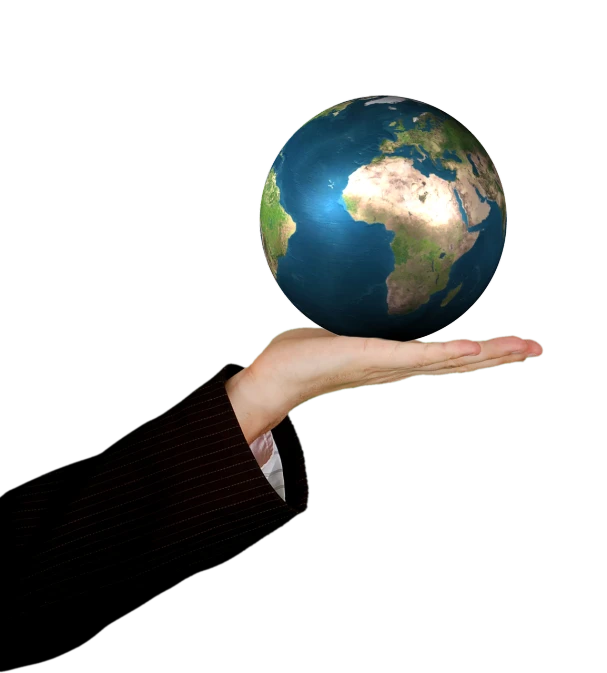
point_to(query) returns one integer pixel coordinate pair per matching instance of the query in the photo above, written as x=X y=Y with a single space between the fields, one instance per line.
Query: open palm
x=304 y=363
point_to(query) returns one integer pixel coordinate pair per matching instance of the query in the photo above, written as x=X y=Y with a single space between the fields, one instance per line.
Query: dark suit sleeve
x=86 y=544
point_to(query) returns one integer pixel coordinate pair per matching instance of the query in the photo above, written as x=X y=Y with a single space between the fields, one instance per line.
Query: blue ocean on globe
x=383 y=217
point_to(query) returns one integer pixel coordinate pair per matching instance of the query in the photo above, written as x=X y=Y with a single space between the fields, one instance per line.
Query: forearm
x=173 y=488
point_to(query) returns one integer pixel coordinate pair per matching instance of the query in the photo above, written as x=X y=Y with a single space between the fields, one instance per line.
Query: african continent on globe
x=383 y=216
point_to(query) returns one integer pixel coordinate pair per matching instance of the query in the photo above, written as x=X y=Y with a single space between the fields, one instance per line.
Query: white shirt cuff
x=265 y=450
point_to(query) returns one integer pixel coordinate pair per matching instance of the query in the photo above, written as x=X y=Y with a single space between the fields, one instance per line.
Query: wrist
x=257 y=406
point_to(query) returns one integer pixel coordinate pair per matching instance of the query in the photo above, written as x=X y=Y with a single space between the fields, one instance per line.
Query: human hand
x=303 y=363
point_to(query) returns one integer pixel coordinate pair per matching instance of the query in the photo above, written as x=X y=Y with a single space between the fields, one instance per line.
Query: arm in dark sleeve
x=86 y=544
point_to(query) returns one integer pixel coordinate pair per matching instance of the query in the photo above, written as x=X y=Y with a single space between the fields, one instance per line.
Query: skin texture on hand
x=303 y=363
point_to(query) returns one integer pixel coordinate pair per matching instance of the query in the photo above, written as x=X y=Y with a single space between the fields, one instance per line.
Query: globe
x=383 y=217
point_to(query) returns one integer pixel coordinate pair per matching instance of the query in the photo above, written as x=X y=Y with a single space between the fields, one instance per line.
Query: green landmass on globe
x=383 y=160
x=277 y=224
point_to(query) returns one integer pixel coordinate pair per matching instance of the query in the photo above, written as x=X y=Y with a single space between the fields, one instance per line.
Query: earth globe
x=383 y=217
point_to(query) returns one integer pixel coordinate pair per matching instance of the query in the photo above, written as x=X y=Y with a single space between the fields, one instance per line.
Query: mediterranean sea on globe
x=383 y=217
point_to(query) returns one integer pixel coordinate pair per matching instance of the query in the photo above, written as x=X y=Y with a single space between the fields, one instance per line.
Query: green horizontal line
x=122 y=356
x=455 y=404
x=587 y=492
x=456 y=467
x=461 y=500
x=456 y=447
x=137 y=331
